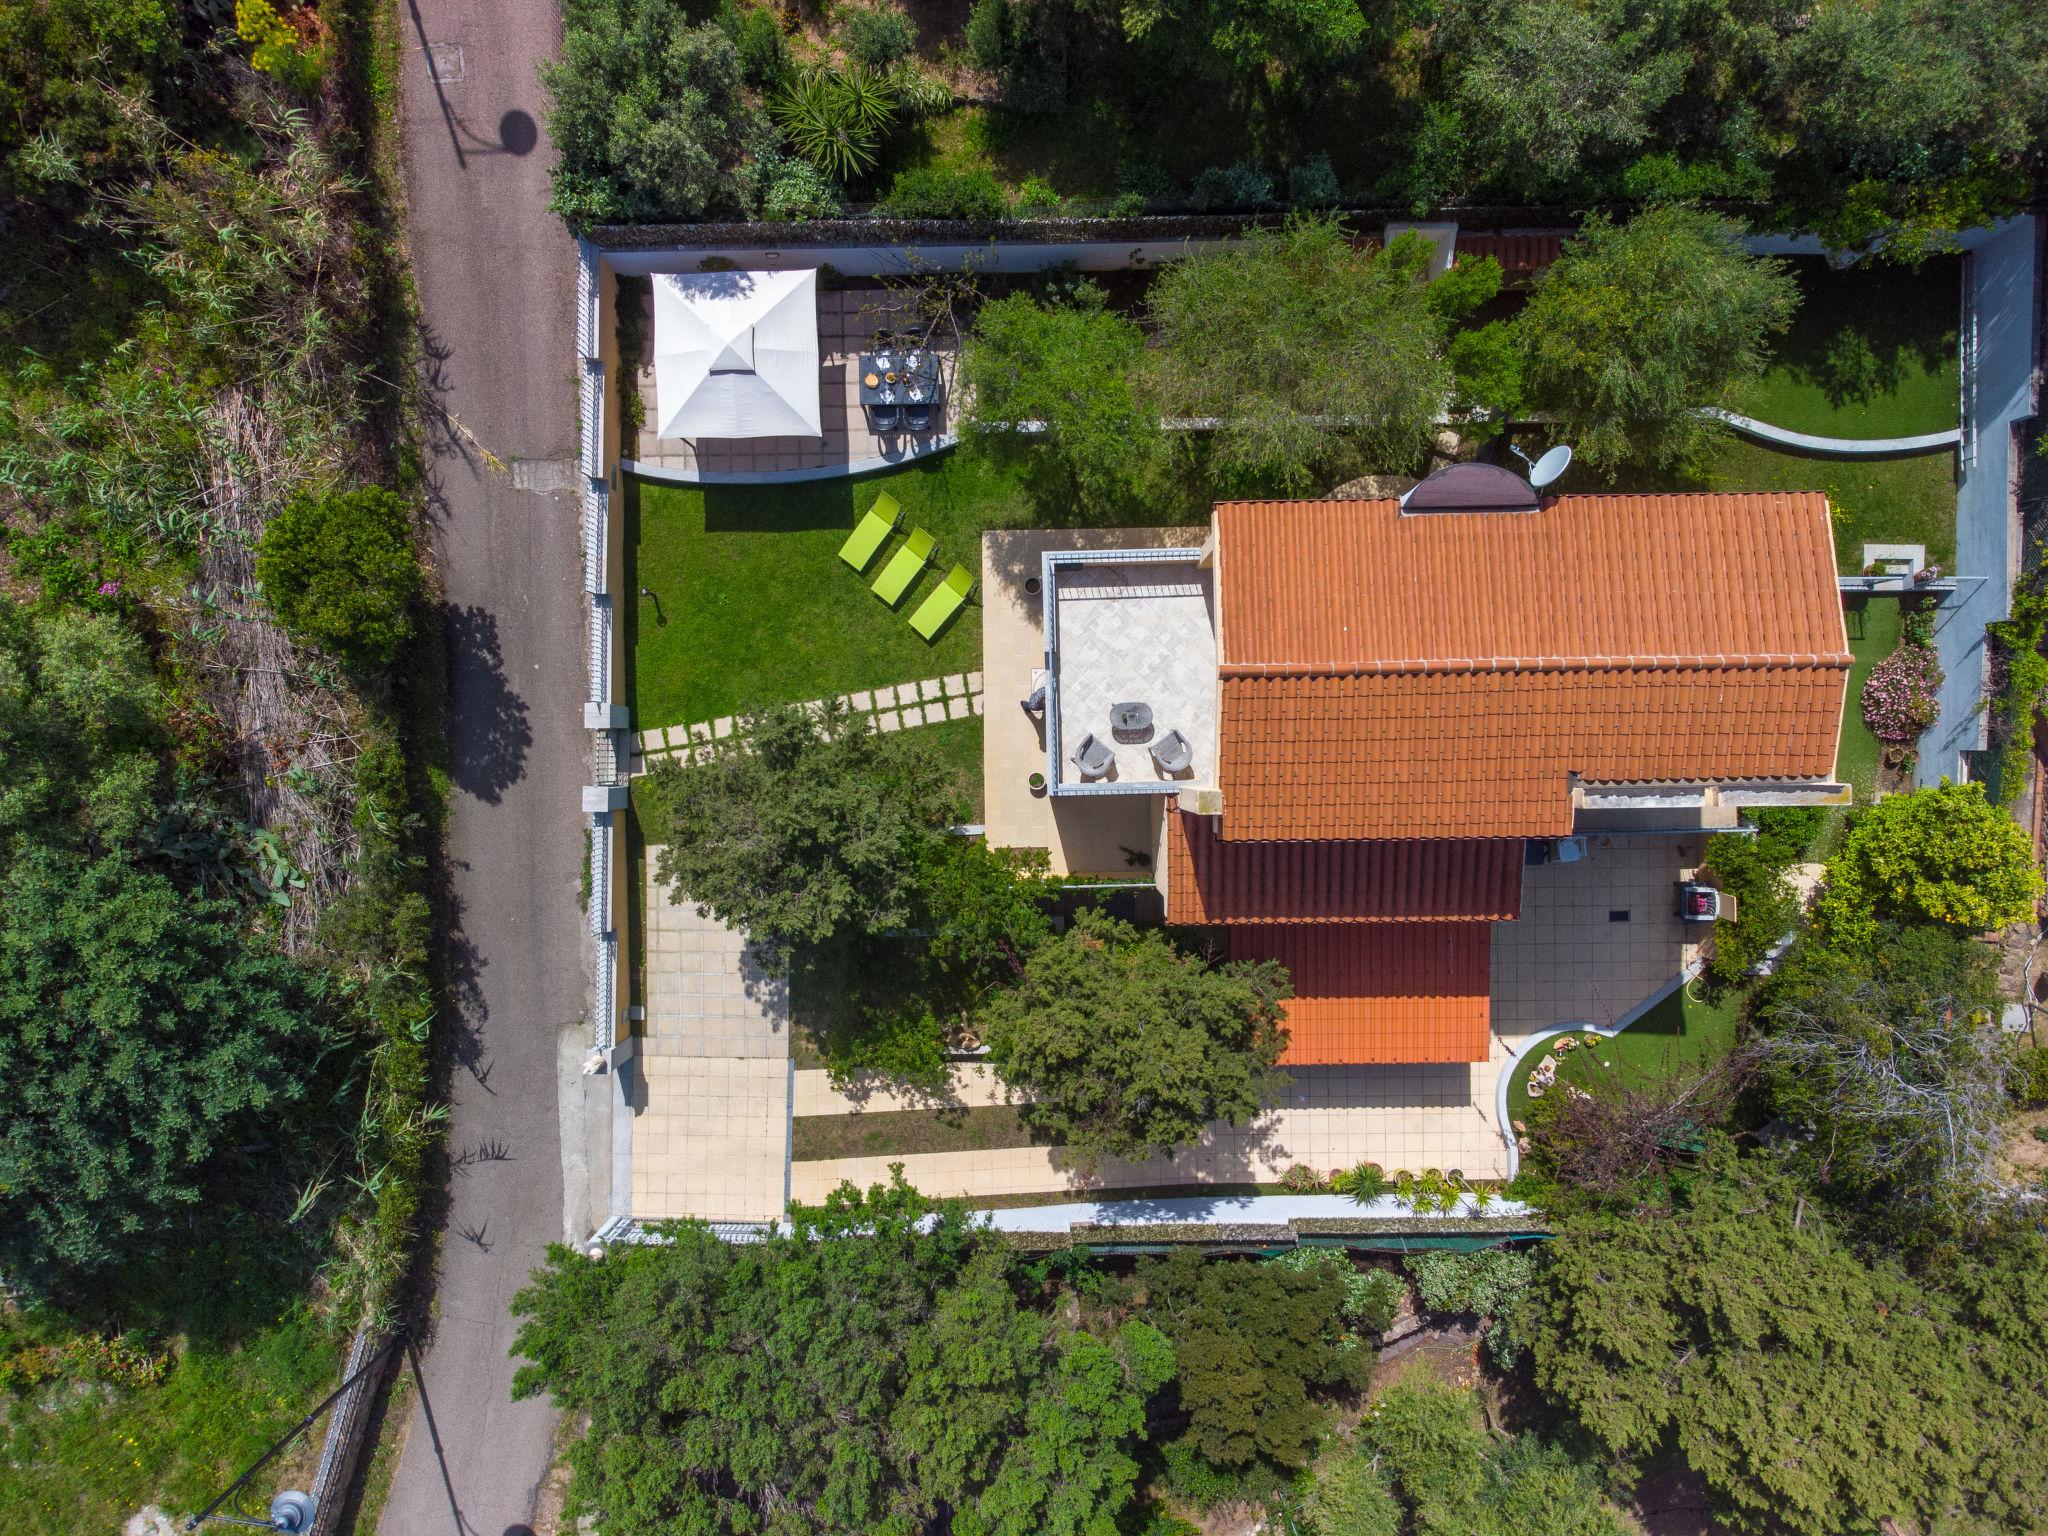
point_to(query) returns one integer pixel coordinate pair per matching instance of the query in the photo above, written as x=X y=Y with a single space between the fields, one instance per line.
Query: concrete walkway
x=2001 y=274
x=709 y=1081
x=899 y=707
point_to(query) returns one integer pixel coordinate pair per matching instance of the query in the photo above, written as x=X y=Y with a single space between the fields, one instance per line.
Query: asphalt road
x=495 y=275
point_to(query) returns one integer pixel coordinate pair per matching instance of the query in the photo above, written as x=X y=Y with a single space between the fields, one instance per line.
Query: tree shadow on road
x=488 y=731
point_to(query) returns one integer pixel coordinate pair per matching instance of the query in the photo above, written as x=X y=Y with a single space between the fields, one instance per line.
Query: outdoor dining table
x=916 y=381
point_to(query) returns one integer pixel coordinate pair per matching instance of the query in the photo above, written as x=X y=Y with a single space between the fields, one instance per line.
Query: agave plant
x=836 y=118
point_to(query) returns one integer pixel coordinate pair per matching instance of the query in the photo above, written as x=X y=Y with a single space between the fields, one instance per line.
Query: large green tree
x=870 y=1370
x=1253 y=1345
x=805 y=827
x=1068 y=365
x=1317 y=360
x=1127 y=1046
x=141 y=1031
x=650 y=114
x=1944 y=854
x=1815 y=1390
x=1638 y=325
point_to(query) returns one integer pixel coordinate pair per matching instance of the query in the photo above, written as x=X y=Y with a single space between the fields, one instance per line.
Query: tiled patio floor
x=1146 y=634
x=847 y=319
x=711 y=1106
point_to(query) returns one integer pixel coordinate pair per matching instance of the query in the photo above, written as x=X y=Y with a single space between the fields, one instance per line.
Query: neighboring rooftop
x=1445 y=675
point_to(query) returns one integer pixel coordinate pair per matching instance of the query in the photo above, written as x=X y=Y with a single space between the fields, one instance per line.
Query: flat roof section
x=1131 y=627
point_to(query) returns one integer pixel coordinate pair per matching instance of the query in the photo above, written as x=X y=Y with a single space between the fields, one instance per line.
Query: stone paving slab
x=899 y=706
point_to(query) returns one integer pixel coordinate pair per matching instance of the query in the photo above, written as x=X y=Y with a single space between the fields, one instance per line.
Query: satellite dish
x=1550 y=466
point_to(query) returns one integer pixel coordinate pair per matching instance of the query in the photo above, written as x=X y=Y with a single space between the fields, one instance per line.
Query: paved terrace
x=1567 y=960
x=1082 y=834
x=848 y=320
x=711 y=1087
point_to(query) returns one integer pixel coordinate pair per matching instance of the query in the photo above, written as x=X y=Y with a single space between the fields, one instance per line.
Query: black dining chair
x=885 y=418
x=918 y=417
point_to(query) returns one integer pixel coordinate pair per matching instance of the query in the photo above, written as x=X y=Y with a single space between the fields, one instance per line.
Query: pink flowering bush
x=1899 y=697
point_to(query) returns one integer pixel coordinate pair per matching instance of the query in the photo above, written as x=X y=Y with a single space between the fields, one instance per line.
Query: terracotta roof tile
x=1418 y=880
x=1522 y=254
x=1379 y=992
x=1443 y=675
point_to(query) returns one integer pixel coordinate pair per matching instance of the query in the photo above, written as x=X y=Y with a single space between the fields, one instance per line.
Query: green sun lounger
x=903 y=567
x=944 y=602
x=872 y=532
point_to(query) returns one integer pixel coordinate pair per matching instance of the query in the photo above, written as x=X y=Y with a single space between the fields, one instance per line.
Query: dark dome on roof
x=1472 y=487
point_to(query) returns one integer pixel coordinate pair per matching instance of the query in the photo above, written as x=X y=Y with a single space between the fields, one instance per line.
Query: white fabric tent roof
x=736 y=354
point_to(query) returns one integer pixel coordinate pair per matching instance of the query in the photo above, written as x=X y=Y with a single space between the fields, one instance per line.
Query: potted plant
x=1037 y=782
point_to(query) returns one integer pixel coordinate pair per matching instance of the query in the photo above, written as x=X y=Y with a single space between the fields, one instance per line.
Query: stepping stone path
x=956 y=696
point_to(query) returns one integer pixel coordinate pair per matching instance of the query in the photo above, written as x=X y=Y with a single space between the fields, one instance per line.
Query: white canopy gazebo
x=736 y=354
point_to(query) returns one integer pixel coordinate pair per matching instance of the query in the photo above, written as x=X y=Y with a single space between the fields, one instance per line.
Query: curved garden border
x=1836 y=447
x=1608 y=1032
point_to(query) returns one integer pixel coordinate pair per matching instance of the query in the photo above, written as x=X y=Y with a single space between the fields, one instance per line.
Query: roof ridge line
x=1835 y=661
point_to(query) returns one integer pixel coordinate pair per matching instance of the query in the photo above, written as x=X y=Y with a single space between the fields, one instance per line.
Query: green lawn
x=83 y=1452
x=1873 y=635
x=1678 y=1034
x=1870 y=353
x=753 y=605
x=1879 y=501
x=892 y=1132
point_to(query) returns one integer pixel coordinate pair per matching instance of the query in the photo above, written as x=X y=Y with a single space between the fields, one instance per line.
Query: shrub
x=1024 y=44
x=836 y=118
x=1244 y=185
x=1487 y=364
x=1312 y=183
x=1365 y=1183
x=1372 y=1297
x=1300 y=1179
x=1941 y=855
x=799 y=190
x=1751 y=870
x=876 y=35
x=2029 y=1080
x=1038 y=198
x=1490 y=1284
x=930 y=192
x=1900 y=696
x=340 y=570
x=764 y=55
x=274 y=46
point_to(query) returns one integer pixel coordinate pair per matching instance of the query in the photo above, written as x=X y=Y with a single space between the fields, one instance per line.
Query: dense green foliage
x=1752 y=869
x=931 y=193
x=887 y=1366
x=1069 y=365
x=2016 y=709
x=647 y=108
x=340 y=571
x=1128 y=1046
x=1635 y=325
x=1941 y=855
x=1253 y=1344
x=1423 y=1462
x=1806 y=1383
x=141 y=1032
x=1317 y=359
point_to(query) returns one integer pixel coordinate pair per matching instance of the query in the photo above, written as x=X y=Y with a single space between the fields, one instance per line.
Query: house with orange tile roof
x=1380 y=712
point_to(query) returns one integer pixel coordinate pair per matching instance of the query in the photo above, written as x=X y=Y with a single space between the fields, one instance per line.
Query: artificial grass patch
x=1870 y=353
x=891 y=1132
x=1873 y=635
x=1880 y=501
x=752 y=605
x=1679 y=1035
